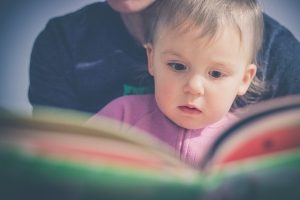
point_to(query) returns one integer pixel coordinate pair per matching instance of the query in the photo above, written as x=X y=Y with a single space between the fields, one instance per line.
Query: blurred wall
x=21 y=21
x=286 y=12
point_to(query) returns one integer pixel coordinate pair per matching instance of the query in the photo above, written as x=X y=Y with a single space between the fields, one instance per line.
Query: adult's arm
x=50 y=70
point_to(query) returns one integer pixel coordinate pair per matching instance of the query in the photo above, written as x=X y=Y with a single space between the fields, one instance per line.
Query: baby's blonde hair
x=212 y=16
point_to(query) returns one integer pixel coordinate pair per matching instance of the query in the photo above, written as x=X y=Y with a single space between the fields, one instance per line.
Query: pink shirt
x=141 y=111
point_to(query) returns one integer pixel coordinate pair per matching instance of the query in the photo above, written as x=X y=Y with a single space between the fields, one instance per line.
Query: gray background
x=21 y=21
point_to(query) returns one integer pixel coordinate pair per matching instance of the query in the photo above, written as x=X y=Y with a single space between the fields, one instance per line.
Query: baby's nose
x=195 y=85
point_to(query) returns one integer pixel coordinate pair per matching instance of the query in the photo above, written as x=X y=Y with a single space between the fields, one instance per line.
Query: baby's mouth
x=190 y=109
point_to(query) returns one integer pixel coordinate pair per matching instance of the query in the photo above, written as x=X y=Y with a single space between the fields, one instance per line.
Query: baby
x=201 y=54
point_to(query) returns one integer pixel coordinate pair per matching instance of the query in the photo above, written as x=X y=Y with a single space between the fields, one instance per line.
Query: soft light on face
x=197 y=79
x=129 y=6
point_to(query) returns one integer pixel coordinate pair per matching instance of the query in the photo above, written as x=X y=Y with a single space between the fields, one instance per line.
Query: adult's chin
x=129 y=6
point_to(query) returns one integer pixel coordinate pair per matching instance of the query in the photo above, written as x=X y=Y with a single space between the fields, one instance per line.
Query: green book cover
x=56 y=156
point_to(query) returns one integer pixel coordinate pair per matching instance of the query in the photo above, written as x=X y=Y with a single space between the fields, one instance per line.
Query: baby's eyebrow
x=172 y=52
x=222 y=63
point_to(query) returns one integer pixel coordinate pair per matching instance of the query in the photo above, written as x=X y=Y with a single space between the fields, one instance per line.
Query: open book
x=55 y=156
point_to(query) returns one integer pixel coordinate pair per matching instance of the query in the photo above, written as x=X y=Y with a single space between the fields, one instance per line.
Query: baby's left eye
x=216 y=74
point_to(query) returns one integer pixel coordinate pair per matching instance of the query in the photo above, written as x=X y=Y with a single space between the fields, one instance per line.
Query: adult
x=85 y=59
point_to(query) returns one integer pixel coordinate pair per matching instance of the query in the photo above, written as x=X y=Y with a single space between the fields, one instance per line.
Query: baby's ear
x=149 y=50
x=247 y=79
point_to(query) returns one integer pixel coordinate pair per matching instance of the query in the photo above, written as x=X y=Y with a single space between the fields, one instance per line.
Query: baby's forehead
x=207 y=37
x=201 y=31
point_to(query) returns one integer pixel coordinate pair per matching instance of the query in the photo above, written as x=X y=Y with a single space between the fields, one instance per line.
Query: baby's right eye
x=177 y=66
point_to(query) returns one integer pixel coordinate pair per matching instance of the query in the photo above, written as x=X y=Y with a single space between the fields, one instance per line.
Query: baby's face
x=198 y=78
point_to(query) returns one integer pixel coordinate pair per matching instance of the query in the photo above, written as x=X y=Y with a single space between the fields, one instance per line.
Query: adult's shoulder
x=79 y=34
x=278 y=40
x=92 y=15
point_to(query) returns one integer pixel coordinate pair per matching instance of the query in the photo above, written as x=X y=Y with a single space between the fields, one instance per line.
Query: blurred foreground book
x=56 y=157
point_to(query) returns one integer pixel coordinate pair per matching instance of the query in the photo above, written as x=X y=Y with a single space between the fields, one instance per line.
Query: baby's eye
x=216 y=74
x=177 y=66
